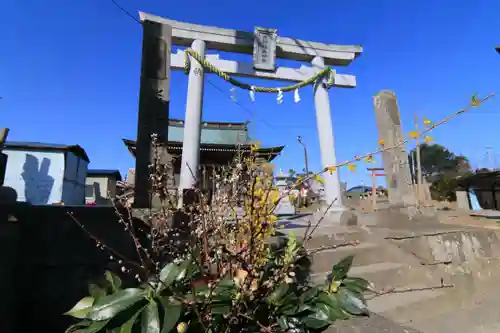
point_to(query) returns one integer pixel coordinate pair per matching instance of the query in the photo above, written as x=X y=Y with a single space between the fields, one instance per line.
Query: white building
x=100 y=186
x=44 y=173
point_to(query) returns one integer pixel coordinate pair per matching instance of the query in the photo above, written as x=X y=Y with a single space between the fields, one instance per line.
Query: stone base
x=372 y=324
x=336 y=215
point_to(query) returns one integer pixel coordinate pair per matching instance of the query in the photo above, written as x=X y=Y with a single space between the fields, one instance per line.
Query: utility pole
x=299 y=139
x=489 y=157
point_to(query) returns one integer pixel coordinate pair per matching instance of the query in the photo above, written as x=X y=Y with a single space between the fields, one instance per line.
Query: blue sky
x=69 y=72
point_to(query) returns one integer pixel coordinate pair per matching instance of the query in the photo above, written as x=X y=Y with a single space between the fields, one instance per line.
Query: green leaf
x=114 y=281
x=96 y=291
x=351 y=303
x=319 y=318
x=357 y=285
x=201 y=290
x=304 y=308
x=224 y=290
x=290 y=308
x=278 y=293
x=334 y=307
x=172 y=313
x=109 y=306
x=129 y=324
x=82 y=308
x=150 y=318
x=220 y=308
x=283 y=322
x=308 y=294
x=339 y=271
x=168 y=275
x=183 y=269
x=96 y=326
x=78 y=326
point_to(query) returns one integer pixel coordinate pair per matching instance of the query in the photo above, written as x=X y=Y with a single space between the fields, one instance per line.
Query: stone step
x=388 y=275
x=325 y=234
x=369 y=324
x=364 y=254
x=468 y=294
x=481 y=316
x=322 y=237
x=390 y=302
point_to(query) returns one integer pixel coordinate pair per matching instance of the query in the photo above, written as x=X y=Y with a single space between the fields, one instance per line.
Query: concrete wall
x=74 y=180
x=47 y=261
x=41 y=177
x=100 y=187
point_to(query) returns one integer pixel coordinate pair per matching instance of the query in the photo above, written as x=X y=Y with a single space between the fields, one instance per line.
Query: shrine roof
x=104 y=172
x=176 y=146
x=480 y=180
x=212 y=124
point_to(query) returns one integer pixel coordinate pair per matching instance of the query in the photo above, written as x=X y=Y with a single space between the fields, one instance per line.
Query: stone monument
x=285 y=206
x=396 y=164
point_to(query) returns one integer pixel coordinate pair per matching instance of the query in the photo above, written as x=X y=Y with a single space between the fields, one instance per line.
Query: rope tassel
x=252 y=93
x=296 y=96
x=279 y=99
x=233 y=94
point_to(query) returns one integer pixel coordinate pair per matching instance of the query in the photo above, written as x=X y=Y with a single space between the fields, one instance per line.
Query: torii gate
x=200 y=38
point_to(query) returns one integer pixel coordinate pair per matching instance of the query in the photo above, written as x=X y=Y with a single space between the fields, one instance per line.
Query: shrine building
x=220 y=142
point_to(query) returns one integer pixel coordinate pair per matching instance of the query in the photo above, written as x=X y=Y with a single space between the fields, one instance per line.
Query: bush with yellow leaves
x=213 y=266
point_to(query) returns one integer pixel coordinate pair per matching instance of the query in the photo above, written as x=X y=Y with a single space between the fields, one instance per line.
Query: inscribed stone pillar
x=396 y=165
x=154 y=100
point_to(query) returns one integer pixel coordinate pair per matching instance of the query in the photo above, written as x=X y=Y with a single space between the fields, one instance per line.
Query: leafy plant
x=179 y=301
x=213 y=266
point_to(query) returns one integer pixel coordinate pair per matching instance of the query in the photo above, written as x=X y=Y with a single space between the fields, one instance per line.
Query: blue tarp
x=473 y=201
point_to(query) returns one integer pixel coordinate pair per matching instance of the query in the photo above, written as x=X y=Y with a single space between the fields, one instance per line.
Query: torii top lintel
x=220 y=39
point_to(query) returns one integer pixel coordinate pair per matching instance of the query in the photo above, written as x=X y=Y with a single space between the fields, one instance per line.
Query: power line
x=245 y=109
x=126 y=12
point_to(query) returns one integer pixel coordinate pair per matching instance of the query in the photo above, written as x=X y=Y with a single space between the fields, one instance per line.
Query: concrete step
x=364 y=254
x=466 y=296
x=387 y=275
x=390 y=302
x=481 y=316
x=329 y=236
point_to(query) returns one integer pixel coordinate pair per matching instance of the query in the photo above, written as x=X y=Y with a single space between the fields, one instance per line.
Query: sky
x=69 y=73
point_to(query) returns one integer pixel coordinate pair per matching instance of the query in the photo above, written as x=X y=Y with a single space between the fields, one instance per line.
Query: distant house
x=100 y=186
x=43 y=173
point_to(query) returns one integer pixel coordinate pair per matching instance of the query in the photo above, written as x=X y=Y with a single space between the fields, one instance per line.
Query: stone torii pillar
x=326 y=138
x=192 y=126
x=154 y=101
x=265 y=47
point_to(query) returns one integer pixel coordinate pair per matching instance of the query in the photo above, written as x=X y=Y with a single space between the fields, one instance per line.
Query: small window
x=89 y=191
